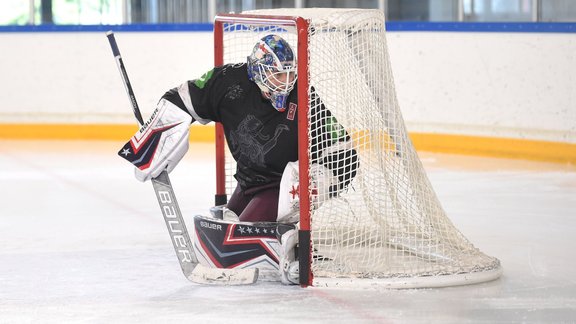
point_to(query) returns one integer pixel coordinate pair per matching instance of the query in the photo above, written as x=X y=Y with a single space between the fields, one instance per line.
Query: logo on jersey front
x=249 y=141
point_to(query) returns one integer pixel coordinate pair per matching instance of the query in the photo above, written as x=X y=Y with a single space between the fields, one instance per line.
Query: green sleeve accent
x=335 y=130
x=201 y=82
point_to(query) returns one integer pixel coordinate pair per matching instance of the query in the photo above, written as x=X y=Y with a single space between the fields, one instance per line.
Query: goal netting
x=387 y=226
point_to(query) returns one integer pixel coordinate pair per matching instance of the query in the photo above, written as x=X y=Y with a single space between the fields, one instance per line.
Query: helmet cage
x=274 y=79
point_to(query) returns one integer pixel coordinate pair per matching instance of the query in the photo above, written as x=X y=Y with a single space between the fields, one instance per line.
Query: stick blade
x=223 y=277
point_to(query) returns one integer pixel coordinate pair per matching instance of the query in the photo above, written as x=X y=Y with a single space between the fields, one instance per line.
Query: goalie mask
x=272 y=66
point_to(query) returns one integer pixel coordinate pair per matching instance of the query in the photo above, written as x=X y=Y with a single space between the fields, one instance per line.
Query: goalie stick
x=192 y=269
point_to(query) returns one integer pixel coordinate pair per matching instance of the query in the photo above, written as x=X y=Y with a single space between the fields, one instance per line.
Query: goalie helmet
x=272 y=66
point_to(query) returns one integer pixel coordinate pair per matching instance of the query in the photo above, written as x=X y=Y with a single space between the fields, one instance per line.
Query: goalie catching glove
x=324 y=185
x=327 y=179
x=160 y=143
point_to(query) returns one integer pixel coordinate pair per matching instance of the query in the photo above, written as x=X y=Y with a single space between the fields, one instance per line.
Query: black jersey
x=261 y=139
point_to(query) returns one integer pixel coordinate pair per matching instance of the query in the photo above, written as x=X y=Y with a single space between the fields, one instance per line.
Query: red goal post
x=301 y=26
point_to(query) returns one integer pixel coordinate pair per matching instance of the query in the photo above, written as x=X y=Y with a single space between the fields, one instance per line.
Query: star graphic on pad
x=295 y=191
x=125 y=152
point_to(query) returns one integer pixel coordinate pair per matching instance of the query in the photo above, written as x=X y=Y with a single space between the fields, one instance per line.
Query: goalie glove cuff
x=161 y=143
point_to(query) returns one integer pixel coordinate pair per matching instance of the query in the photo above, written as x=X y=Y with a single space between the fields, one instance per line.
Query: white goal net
x=387 y=226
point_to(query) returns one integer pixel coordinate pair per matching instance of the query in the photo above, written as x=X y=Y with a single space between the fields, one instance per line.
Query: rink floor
x=82 y=241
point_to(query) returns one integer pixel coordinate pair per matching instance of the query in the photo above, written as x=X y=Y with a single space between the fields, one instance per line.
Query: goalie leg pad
x=229 y=244
x=289 y=195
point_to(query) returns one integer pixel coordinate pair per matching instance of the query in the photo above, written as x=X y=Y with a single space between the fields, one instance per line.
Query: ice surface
x=82 y=241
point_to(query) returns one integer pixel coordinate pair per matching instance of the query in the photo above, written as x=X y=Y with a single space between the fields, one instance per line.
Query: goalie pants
x=259 y=205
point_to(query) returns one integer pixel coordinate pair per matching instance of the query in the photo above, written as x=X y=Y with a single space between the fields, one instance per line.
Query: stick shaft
x=124 y=74
x=164 y=193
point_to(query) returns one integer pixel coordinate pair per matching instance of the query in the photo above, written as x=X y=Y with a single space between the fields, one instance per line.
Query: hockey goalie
x=256 y=103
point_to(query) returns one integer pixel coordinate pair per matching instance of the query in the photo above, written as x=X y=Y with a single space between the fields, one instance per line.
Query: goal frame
x=403 y=239
x=301 y=25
